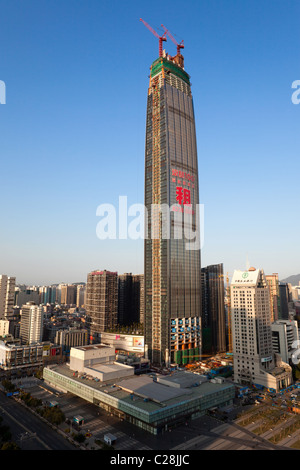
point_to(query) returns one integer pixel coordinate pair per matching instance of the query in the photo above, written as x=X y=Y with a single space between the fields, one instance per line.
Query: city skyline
x=70 y=93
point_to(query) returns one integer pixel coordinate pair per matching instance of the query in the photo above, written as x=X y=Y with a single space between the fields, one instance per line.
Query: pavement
x=204 y=433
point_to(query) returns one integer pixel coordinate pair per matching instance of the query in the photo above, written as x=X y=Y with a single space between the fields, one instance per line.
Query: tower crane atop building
x=160 y=38
x=179 y=45
x=179 y=57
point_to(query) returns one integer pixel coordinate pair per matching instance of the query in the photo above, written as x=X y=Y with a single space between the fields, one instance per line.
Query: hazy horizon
x=73 y=130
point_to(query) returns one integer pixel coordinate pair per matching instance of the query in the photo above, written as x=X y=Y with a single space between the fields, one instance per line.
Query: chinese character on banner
x=183 y=196
x=186 y=196
x=179 y=194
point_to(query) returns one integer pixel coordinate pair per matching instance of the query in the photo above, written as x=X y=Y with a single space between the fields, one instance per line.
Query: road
x=28 y=430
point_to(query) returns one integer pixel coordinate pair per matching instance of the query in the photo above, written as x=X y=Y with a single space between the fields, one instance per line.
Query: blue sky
x=73 y=129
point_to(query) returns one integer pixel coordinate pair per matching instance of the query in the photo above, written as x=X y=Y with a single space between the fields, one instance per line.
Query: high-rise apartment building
x=47 y=294
x=58 y=293
x=125 y=304
x=130 y=298
x=254 y=360
x=138 y=296
x=53 y=295
x=101 y=301
x=80 y=295
x=24 y=294
x=68 y=294
x=31 y=328
x=172 y=292
x=284 y=301
x=213 y=309
x=294 y=292
x=7 y=295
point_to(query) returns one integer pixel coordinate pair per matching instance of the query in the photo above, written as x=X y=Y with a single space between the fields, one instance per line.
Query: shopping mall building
x=150 y=402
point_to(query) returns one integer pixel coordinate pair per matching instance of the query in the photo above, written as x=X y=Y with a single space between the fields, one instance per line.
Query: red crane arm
x=179 y=46
x=150 y=29
x=160 y=38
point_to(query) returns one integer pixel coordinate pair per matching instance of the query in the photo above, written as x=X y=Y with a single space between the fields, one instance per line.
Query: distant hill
x=294 y=280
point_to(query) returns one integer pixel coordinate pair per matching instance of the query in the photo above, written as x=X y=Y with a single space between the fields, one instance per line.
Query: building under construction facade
x=101 y=302
x=172 y=266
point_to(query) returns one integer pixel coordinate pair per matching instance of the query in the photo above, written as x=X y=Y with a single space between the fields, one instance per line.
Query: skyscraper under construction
x=101 y=302
x=172 y=262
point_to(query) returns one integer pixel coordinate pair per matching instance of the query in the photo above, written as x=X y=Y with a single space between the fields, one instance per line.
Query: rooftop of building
x=15 y=344
x=249 y=278
x=278 y=371
x=170 y=67
x=104 y=271
x=106 y=368
x=89 y=347
x=146 y=393
x=182 y=379
x=282 y=321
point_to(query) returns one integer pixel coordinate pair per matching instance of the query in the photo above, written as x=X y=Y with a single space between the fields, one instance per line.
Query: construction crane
x=179 y=46
x=178 y=58
x=160 y=38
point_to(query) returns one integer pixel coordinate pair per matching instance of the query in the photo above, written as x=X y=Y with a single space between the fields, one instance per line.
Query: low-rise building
x=151 y=403
x=98 y=361
x=15 y=356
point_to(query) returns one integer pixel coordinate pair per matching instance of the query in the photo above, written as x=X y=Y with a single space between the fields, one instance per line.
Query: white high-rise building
x=284 y=336
x=4 y=327
x=295 y=291
x=7 y=295
x=253 y=357
x=31 y=329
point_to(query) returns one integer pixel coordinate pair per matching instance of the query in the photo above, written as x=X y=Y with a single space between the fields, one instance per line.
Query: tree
x=5 y=434
x=8 y=385
x=79 y=437
x=10 y=446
